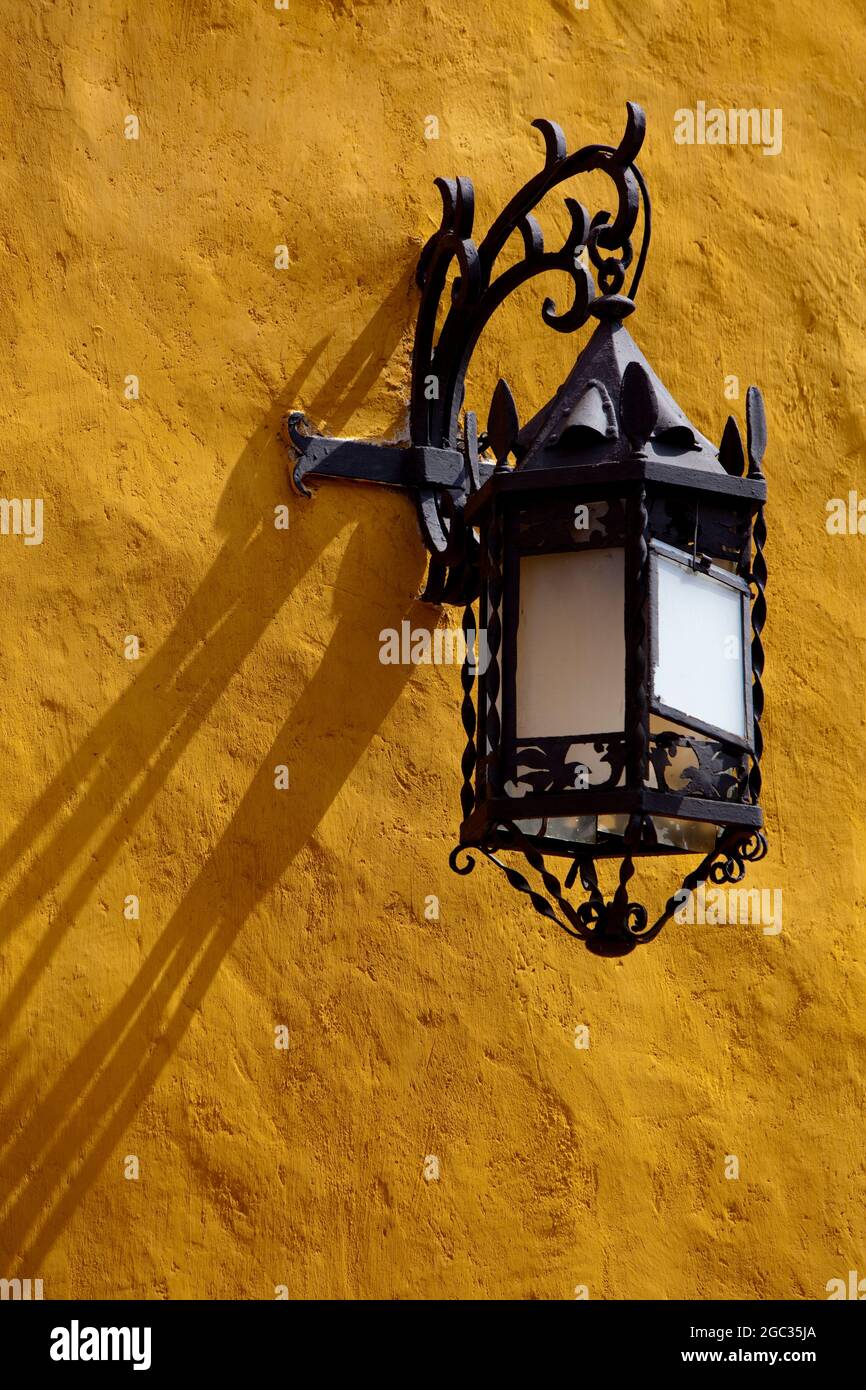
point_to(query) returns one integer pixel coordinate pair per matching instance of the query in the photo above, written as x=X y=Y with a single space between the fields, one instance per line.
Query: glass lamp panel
x=571 y=644
x=612 y=825
x=690 y=836
x=700 y=647
x=579 y=830
x=698 y=836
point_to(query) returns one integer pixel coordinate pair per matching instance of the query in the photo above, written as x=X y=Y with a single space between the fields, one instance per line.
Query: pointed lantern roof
x=611 y=403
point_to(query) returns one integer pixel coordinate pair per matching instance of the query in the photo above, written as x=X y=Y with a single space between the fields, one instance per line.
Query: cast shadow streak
x=75 y=1126
x=149 y=727
x=89 y=1107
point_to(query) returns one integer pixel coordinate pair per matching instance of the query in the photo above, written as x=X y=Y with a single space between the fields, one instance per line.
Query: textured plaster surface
x=407 y=1037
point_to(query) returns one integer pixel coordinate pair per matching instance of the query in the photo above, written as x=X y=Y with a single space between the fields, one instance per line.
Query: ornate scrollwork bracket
x=443 y=464
x=616 y=927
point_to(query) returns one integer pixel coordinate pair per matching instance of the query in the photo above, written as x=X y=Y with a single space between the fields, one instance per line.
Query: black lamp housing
x=612 y=691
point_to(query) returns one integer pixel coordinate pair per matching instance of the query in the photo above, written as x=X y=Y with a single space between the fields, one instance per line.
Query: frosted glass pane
x=696 y=835
x=579 y=830
x=570 y=644
x=699 y=647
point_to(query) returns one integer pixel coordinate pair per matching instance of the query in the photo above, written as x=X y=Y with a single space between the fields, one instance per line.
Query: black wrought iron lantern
x=610 y=563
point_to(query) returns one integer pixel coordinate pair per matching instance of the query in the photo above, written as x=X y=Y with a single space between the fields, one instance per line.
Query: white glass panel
x=570 y=644
x=699 y=647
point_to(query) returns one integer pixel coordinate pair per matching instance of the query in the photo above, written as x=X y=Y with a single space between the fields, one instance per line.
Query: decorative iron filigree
x=612 y=928
x=478 y=290
x=437 y=466
x=554 y=524
x=719 y=772
x=552 y=765
x=731 y=867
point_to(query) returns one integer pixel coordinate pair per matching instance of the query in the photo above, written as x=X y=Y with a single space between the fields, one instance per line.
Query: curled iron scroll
x=440 y=362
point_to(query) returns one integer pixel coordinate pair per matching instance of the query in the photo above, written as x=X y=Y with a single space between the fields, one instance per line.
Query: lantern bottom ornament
x=616 y=927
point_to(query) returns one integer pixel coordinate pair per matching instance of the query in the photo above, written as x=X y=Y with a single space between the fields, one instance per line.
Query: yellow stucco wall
x=304 y=1167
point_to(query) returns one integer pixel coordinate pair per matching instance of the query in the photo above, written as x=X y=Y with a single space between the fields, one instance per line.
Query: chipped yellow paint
x=409 y=1038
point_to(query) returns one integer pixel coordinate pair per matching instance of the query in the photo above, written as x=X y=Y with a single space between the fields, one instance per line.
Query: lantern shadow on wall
x=610 y=564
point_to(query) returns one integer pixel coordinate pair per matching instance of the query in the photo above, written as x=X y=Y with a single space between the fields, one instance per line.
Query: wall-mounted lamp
x=616 y=559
